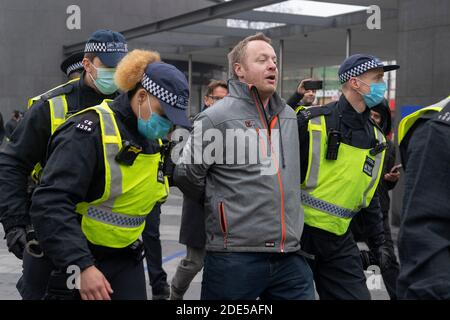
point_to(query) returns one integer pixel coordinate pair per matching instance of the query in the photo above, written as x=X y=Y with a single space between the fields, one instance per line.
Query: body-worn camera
x=334 y=141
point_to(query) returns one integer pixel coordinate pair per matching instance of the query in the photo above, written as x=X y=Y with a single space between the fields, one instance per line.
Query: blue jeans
x=247 y=276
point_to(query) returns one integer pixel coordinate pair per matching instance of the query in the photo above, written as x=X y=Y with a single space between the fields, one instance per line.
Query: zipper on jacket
x=223 y=223
x=267 y=126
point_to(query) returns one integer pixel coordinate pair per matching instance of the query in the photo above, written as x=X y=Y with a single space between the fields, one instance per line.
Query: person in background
x=302 y=97
x=217 y=90
x=72 y=66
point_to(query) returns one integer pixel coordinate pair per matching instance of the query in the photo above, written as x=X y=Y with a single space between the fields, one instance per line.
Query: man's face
x=259 y=67
x=217 y=94
x=89 y=66
x=309 y=97
x=362 y=83
x=375 y=117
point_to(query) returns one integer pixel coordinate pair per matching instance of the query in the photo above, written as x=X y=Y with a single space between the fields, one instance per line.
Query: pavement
x=173 y=252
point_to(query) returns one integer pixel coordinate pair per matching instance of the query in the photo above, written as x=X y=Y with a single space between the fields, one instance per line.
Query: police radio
x=334 y=141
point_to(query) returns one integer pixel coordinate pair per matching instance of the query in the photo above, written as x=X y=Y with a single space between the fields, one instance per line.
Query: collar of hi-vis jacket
x=247 y=92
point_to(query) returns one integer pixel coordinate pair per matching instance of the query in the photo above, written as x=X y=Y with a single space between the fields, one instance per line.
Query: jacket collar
x=350 y=117
x=122 y=108
x=245 y=91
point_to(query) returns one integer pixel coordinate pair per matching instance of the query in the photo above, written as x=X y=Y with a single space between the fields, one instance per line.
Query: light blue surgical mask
x=376 y=95
x=105 y=80
x=155 y=127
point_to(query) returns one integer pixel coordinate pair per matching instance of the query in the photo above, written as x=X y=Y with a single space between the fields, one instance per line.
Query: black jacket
x=294 y=100
x=356 y=130
x=424 y=238
x=74 y=172
x=192 y=229
x=28 y=146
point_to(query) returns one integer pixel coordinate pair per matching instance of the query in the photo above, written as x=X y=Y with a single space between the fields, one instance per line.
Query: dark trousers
x=123 y=270
x=153 y=251
x=337 y=268
x=390 y=274
x=126 y=276
x=32 y=285
x=247 y=276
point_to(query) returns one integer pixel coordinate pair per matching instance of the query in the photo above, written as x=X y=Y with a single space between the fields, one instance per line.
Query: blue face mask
x=105 y=80
x=376 y=95
x=155 y=127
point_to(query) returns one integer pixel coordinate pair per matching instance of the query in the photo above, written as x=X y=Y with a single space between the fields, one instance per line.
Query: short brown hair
x=237 y=55
x=215 y=84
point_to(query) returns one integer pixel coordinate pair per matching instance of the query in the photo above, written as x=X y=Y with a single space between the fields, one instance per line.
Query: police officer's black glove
x=16 y=239
x=380 y=251
x=383 y=257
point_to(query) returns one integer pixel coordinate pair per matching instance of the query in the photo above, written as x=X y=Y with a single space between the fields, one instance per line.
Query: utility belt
x=325 y=234
x=134 y=251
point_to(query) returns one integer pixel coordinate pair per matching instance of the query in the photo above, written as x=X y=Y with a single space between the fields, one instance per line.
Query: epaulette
x=314 y=112
x=444 y=115
x=65 y=89
x=86 y=121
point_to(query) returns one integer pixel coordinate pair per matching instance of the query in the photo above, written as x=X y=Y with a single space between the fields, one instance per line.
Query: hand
x=94 y=285
x=392 y=176
x=382 y=256
x=16 y=240
x=301 y=87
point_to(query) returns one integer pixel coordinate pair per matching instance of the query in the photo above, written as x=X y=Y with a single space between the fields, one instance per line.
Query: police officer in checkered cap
x=103 y=51
x=106 y=161
x=27 y=150
x=342 y=153
x=72 y=66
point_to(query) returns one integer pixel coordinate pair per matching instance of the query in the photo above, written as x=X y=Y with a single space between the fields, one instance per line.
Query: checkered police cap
x=170 y=87
x=162 y=93
x=358 y=64
x=109 y=46
x=106 y=47
x=74 y=67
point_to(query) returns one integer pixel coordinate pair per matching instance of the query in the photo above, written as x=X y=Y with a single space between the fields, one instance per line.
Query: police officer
x=102 y=178
x=413 y=123
x=28 y=146
x=424 y=237
x=72 y=66
x=341 y=166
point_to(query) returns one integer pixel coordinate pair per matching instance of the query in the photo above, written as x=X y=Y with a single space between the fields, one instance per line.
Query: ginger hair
x=131 y=68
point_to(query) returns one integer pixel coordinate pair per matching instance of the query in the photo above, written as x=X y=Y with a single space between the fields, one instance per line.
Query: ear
x=141 y=95
x=353 y=83
x=87 y=65
x=238 y=70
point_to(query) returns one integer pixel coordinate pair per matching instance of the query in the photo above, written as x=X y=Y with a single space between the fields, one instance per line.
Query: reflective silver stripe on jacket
x=112 y=149
x=326 y=206
x=315 y=160
x=116 y=219
x=58 y=108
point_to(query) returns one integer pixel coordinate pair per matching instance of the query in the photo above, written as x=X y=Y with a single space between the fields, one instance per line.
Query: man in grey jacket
x=242 y=160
